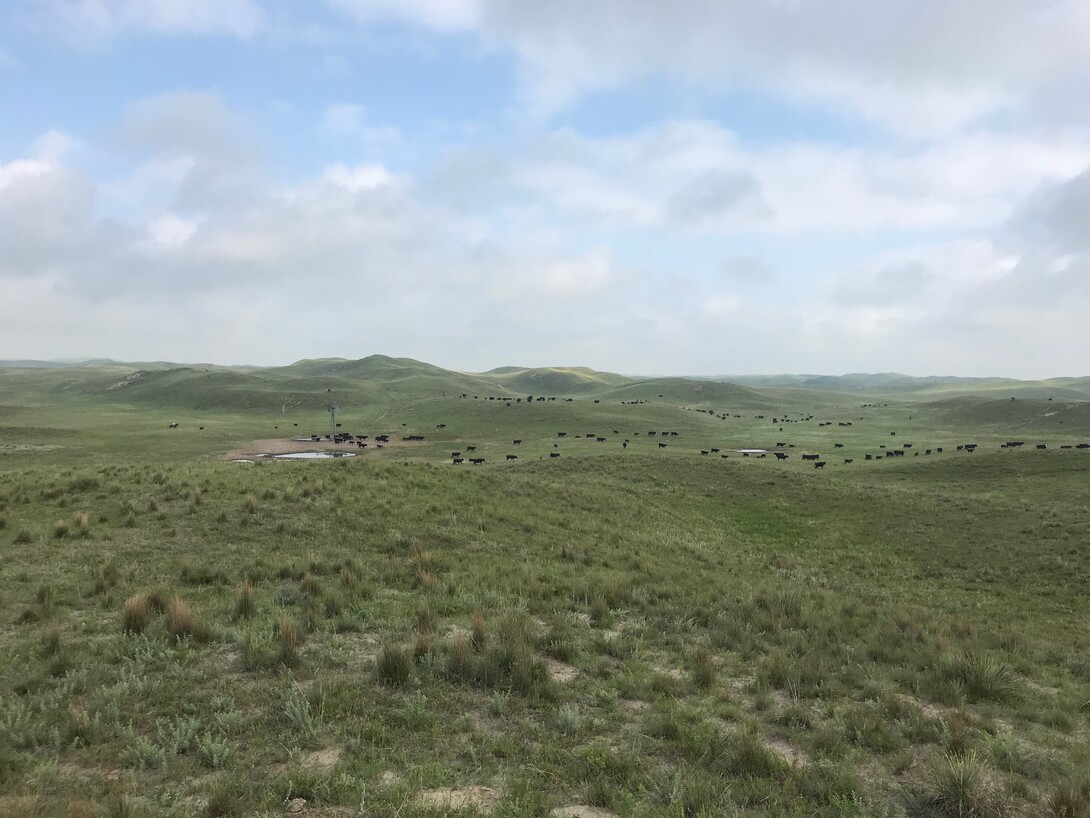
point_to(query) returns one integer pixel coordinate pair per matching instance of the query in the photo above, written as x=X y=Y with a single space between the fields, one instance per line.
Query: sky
x=699 y=187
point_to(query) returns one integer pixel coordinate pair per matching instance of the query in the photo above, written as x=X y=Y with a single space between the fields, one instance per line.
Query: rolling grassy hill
x=650 y=629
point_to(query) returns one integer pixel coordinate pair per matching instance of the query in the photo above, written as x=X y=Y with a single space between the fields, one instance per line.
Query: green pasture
x=637 y=631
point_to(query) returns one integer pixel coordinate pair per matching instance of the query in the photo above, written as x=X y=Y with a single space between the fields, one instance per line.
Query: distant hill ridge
x=417 y=377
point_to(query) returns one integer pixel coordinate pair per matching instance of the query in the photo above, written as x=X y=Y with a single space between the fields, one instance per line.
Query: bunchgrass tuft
x=245 y=607
x=394 y=665
x=287 y=639
x=182 y=622
x=962 y=787
x=479 y=635
x=982 y=678
x=137 y=613
x=60 y=529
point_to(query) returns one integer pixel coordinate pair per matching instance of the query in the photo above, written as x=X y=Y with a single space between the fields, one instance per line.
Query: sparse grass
x=720 y=615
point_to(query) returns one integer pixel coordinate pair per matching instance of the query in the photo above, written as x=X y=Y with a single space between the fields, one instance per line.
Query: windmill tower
x=333 y=409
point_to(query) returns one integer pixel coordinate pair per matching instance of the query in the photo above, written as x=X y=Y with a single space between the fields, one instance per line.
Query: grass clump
x=23 y=537
x=137 y=613
x=394 y=665
x=980 y=677
x=287 y=640
x=182 y=622
x=245 y=607
x=962 y=787
x=60 y=530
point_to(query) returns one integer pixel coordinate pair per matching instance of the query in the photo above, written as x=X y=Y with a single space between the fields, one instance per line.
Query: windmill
x=334 y=408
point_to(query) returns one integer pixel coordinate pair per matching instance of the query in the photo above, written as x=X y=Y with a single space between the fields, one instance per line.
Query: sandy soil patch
x=388 y=778
x=322 y=761
x=581 y=811
x=481 y=799
x=792 y=755
x=561 y=671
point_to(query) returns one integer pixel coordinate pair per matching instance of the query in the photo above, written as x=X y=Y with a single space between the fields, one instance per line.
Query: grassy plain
x=641 y=630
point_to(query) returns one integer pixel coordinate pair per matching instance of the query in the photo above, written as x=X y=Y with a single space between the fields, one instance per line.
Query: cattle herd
x=361 y=441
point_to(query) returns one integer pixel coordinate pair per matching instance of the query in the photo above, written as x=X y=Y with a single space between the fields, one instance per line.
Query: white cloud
x=915 y=67
x=355 y=179
x=444 y=15
x=346 y=119
x=99 y=18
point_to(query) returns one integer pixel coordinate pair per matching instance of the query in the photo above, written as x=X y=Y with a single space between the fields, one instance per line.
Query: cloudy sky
x=693 y=187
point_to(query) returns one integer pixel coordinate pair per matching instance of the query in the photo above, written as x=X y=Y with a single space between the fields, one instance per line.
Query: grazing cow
x=867 y=457
x=847 y=460
x=455 y=454
x=703 y=451
x=898 y=452
x=939 y=450
x=554 y=454
x=652 y=434
x=715 y=451
x=441 y=426
x=662 y=445
x=781 y=455
x=780 y=445
x=512 y=457
x=517 y=442
x=471 y=448
x=561 y=434
x=811 y=456
x=907 y=446
x=456 y=460
x=1082 y=445
x=476 y=461
x=173 y=425
x=201 y=428
x=819 y=464
x=1041 y=446
x=600 y=439
x=838 y=445
x=625 y=444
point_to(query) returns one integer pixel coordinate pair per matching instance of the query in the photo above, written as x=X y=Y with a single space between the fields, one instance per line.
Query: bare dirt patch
x=480 y=799
x=561 y=671
x=581 y=811
x=322 y=762
x=792 y=755
x=388 y=778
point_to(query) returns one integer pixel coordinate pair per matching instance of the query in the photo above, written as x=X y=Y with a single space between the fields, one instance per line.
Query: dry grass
x=137 y=613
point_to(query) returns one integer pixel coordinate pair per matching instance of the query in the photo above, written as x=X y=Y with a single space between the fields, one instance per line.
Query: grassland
x=643 y=631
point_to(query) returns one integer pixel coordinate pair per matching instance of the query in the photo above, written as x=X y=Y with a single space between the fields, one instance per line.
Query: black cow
x=847 y=460
x=819 y=464
x=811 y=456
x=517 y=442
x=1041 y=446
x=476 y=461
x=554 y=454
x=838 y=445
x=662 y=445
x=703 y=451
x=781 y=455
x=512 y=457
x=456 y=460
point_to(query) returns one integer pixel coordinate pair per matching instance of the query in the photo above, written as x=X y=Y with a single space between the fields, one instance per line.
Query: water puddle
x=314 y=455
